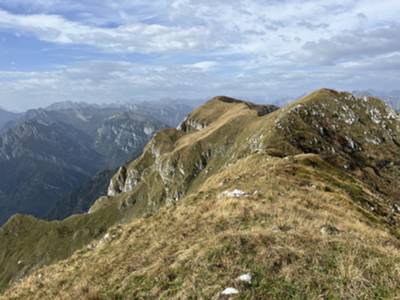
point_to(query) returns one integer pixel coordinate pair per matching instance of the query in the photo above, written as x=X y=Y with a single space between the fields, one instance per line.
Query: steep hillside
x=303 y=199
x=81 y=199
x=29 y=243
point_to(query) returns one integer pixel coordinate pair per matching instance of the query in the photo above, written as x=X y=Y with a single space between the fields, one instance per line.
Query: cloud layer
x=185 y=48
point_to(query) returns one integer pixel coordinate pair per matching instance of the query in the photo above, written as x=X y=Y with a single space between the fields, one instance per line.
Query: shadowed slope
x=29 y=243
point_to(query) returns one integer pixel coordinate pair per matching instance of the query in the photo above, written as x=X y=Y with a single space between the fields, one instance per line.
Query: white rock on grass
x=245 y=278
x=236 y=193
x=230 y=291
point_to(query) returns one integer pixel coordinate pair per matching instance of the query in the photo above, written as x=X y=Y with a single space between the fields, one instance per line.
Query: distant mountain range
x=390 y=97
x=6 y=116
x=48 y=155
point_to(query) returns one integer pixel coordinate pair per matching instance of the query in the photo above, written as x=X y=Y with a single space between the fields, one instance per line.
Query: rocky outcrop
x=189 y=125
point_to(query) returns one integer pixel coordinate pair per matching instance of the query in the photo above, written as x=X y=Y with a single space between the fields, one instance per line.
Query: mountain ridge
x=302 y=198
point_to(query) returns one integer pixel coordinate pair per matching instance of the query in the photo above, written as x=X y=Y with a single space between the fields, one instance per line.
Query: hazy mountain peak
x=70 y=105
x=6 y=116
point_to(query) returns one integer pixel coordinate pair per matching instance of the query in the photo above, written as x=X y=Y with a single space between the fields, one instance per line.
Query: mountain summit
x=256 y=201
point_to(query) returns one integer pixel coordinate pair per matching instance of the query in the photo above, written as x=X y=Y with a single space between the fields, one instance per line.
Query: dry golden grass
x=200 y=246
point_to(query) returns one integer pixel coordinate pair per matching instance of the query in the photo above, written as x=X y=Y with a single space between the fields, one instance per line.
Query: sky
x=117 y=51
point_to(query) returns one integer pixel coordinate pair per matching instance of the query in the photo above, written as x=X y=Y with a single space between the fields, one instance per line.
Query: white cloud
x=245 y=48
x=350 y=45
x=267 y=29
x=101 y=81
x=204 y=65
x=134 y=37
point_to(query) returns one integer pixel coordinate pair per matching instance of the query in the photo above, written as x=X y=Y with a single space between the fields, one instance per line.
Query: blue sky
x=106 y=51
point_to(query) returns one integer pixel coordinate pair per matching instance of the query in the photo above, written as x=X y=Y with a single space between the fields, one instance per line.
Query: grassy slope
x=31 y=243
x=199 y=245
